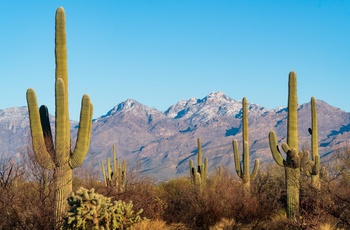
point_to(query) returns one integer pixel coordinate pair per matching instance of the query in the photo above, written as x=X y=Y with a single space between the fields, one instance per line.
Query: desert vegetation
x=40 y=190
x=27 y=199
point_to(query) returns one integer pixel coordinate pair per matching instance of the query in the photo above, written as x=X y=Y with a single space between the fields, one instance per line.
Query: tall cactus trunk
x=293 y=173
x=63 y=188
x=293 y=187
x=315 y=175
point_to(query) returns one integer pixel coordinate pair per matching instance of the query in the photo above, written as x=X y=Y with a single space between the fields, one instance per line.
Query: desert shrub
x=203 y=208
x=143 y=193
x=88 y=177
x=338 y=186
x=269 y=189
x=26 y=200
x=90 y=210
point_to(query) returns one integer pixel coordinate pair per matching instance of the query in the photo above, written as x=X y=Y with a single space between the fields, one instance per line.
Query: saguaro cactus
x=117 y=176
x=292 y=162
x=244 y=174
x=312 y=167
x=199 y=176
x=59 y=156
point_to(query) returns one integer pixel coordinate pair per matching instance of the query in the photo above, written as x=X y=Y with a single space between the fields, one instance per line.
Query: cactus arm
x=103 y=173
x=61 y=47
x=274 y=149
x=314 y=139
x=62 y=141
x=198 y=181
x=46 y=127
x=292 y=122
x=123 y=179
x=115 y=167
x=42 y=155
x=255 y=169
x=245 y=133
x=124 y=167
x=206 y=166
x=200 y=158
x=236 y=158
x=192 y=171
x=109 y=170
x=84 y=134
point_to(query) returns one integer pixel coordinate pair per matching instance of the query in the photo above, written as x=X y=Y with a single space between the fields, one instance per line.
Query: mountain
x=160 y=144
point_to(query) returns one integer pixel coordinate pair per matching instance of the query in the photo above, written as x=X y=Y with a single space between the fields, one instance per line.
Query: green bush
x=90 y=210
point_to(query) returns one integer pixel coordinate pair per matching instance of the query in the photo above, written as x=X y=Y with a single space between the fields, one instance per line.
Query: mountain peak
x=130 y=105
x=214 y=104
x=217 y=96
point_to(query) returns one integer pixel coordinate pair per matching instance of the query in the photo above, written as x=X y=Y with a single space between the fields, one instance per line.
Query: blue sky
x=161 y=51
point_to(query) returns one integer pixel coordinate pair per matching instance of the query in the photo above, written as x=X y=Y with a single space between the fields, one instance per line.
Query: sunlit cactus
x=292 y=162
x=244 y=173
x=199 y=176
x=311 y=167
x=117 y=176
x=90 y=210
x=56 y=154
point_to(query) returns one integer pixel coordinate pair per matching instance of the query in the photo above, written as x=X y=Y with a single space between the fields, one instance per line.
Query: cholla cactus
x=90 y=210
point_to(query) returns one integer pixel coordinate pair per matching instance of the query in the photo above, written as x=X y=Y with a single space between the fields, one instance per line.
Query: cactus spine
x=292 y=162
x=244 y=174
x=199 y=176
x=59 y=157
x=117 y=176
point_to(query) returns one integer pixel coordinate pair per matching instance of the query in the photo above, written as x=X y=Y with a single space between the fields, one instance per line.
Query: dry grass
x=26 y=203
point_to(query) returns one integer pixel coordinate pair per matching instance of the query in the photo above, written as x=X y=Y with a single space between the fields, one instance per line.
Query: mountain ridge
x=161 y=143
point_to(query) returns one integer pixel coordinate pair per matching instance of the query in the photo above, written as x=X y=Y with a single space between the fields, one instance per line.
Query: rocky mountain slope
x=160 y=144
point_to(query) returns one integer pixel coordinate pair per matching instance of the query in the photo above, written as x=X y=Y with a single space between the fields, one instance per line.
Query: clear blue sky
x=161 y=51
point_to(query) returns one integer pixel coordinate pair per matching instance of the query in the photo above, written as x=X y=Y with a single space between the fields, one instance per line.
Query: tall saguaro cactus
x=199 y=176
x=292 y=162
x=59 y=156
x=244 y=173
x=312 y=167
